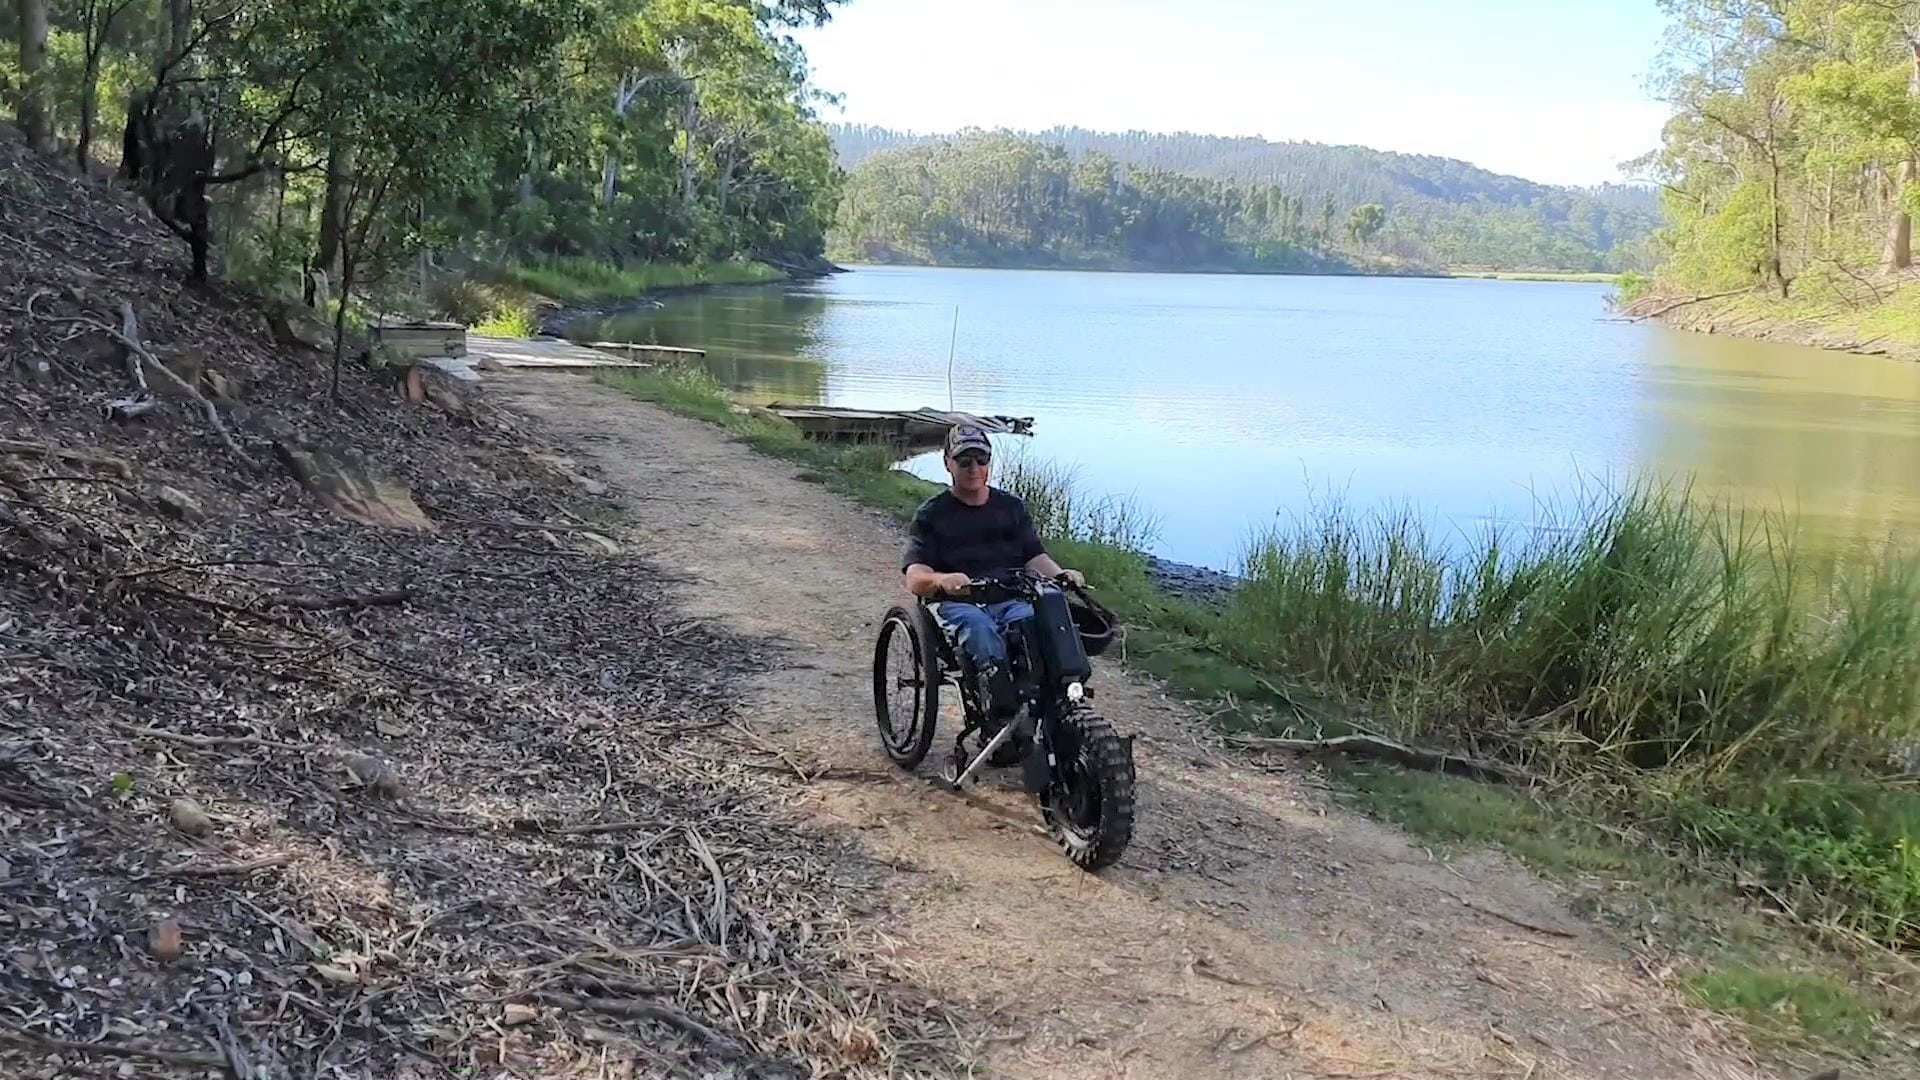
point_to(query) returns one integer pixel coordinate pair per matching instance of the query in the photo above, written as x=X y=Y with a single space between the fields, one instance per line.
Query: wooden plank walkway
x=551 y=353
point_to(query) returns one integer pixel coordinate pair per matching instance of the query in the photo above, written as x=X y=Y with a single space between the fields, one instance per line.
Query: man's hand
x=1079 y=579
x=955 y=584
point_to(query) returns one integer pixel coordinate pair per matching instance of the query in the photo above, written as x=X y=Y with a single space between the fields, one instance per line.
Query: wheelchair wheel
x=906 y=685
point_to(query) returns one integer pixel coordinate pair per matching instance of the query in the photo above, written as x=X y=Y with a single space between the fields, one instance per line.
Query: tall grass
x=1645 y=626
x=1063 y=510
x=1713 y=678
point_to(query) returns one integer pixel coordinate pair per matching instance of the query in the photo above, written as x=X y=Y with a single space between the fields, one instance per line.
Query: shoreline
x=1742 y=315
x=1539 y=276
x=554 y=321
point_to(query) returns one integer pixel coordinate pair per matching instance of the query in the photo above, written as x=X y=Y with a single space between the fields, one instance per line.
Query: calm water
x=1222 y=401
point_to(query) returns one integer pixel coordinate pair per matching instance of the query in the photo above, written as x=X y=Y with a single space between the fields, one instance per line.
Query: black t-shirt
x=954 y=538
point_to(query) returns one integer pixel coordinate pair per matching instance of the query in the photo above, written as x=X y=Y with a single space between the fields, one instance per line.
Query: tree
x=36 y=106
x=1365 y=221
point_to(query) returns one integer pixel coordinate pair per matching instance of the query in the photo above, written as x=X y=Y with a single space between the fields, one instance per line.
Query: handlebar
x=1021 y=582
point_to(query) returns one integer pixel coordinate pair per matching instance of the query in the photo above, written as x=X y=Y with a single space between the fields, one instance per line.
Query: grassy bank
x=1849 y=314
x=1711 y=718
x=505 y=300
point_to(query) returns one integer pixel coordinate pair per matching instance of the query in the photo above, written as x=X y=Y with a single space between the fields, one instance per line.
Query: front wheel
x=1088 y=805
x=906 y=685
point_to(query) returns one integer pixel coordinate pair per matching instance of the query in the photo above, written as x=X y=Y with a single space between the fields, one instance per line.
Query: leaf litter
x=287 y=794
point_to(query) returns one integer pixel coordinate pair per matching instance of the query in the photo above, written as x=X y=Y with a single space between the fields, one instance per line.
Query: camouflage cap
x=967 y=436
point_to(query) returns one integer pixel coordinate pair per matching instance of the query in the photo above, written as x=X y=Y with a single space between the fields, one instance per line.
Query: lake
x=1224 y=402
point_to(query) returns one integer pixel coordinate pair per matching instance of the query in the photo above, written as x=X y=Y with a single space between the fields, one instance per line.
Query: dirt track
x=1256 y=928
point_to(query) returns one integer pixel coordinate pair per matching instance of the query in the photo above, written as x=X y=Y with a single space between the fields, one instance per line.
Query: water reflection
x=763 y=343
x=1828 y=439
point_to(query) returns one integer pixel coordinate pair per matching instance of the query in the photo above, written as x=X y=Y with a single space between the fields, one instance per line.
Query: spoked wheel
x=1089 y=805
x=906 y=686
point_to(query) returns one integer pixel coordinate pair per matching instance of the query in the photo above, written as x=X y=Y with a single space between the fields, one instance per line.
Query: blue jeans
x=980 y=629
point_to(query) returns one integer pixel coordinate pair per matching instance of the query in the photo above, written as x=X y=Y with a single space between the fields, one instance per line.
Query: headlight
x=1075 y=691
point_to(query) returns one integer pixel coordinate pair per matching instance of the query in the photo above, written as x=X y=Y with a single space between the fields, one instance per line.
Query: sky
x=1550 y=90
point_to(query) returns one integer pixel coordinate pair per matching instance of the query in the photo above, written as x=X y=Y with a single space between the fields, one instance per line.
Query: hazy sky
x=1546 y=89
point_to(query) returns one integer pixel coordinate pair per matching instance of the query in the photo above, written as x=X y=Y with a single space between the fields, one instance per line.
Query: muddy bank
x=1740 y=316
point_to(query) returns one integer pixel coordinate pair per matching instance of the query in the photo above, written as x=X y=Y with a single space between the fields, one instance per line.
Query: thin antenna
x=950 y=344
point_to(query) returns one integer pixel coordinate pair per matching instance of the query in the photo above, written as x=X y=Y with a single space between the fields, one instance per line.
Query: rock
x=190 y=819
x=373 y=774
x=298 y=324
x=516 y=1014
x=1198 y=583
x=165 y=941
x=338 y=477
x=179 y=505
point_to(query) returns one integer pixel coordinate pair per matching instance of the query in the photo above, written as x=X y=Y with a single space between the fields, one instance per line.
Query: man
x=976 y=530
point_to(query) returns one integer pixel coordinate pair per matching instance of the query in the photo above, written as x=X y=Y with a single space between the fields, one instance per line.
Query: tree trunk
x=333 y=211
x=609 y=175
x=689 y=120
x=36 y=97
x=179 y=27
x=1897 y=253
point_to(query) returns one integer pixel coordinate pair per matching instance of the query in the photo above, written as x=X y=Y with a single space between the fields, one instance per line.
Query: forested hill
x=1436 y=211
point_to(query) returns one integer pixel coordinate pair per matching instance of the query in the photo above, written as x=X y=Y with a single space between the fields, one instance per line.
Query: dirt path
x=1255 y=928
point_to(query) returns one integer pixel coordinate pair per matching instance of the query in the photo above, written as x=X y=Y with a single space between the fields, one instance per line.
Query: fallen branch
x=1412 y=757
x=1684 y=302
x=133 y=353
x=309 y=602
x=1550 y=931
x=170 y=1057
x=221 y=869
x=205 y=742
x=28 y=448
x=131 y=342
x=671 y=1015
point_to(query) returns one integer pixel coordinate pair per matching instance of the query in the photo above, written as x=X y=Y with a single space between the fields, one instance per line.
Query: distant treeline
x=1075 y=196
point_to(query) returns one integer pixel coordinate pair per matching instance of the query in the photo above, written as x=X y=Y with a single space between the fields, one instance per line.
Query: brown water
x=1221 y=401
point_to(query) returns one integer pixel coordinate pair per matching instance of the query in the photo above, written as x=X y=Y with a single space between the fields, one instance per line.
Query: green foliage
x=1789 y=151
x=1848 y=850
x=626 y=132
x=1438 y=212
x=508 y=320
x=580 y=280
x=1805 y=1008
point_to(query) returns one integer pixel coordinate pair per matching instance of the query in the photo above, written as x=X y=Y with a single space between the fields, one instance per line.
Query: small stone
x=376 y=775
x=190 y=819
x=165 y=942
x=179 y=505
x=517 y=1013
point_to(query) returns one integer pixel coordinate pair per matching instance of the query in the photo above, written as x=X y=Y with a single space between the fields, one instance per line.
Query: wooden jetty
x=908 y=427
x=636 y=350
x=546 y=352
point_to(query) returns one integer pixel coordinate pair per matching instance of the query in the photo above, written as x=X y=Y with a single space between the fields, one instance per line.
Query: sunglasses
x=972 y=461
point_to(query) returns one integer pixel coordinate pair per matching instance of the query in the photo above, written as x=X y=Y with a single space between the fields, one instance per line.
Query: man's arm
x=924 y=580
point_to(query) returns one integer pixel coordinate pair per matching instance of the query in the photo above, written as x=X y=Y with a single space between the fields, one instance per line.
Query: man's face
x=969 y=469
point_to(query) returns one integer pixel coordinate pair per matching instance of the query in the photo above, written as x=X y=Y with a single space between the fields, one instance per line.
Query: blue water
x=1224 y=402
